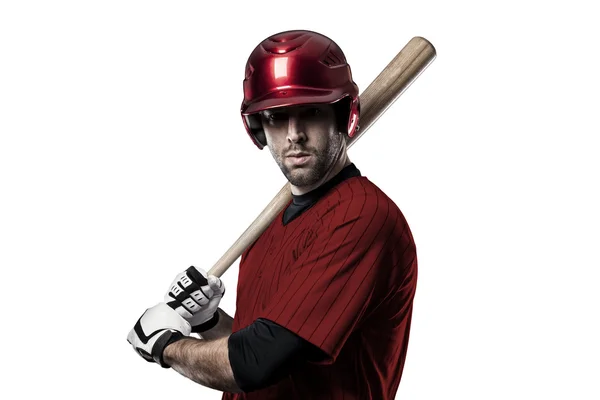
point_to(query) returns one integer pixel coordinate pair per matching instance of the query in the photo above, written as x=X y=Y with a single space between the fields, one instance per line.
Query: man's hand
x=196 y=296
x=158 y=327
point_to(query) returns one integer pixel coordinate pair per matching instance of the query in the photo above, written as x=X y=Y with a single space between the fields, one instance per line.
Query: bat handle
x=252 y=233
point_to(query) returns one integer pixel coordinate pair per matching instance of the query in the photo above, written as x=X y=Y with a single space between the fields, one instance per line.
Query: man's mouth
x=299 y=158
x=298 y=154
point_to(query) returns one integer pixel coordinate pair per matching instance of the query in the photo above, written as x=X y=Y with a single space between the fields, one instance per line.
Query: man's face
x=304 y=141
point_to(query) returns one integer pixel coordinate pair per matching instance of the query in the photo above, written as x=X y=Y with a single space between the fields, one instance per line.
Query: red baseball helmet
x=293 y=68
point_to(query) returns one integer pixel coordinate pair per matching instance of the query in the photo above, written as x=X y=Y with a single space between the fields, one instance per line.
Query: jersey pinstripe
x=343 y=277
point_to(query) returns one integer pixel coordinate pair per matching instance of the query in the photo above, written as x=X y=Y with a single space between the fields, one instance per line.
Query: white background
x=123 y=160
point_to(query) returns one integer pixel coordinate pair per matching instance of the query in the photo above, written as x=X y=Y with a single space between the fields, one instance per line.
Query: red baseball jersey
x=342 y=275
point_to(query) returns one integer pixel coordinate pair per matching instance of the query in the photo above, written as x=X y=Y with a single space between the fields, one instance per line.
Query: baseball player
x=325 y=294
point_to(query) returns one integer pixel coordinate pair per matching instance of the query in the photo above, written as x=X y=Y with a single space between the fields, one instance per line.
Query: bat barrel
x=399 y=74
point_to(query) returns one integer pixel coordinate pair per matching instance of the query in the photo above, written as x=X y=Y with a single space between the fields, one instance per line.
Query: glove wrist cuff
x=208 y=325
x=161 y=345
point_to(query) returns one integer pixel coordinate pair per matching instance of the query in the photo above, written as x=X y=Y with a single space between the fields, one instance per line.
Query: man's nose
x=295 y=130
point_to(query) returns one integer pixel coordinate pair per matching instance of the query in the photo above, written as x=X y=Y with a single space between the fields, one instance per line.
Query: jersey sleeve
x=337 y=281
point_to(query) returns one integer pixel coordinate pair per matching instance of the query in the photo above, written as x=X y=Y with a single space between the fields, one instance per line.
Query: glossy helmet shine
x=293 y=68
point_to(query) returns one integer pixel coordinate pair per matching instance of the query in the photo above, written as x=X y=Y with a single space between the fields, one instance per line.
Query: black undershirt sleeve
x=264 y=353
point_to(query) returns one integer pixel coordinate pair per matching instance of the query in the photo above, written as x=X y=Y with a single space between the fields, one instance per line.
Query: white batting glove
x=158 y=327
x=195 y=296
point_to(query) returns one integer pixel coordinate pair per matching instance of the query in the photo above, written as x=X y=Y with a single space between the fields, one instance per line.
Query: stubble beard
x=321 y=163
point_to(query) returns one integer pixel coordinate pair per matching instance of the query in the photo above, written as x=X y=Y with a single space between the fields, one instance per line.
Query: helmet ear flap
x=347 y=111
x=255 y=130
x=354 y=116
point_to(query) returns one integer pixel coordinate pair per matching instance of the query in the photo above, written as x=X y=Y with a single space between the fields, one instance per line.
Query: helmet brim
x=294 y=97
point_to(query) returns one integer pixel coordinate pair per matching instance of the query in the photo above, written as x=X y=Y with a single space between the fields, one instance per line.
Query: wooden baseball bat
x=408 y=64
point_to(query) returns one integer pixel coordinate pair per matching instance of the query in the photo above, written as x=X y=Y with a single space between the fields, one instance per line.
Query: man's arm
x=253 y=358
x=203 y=361
x=223 y=328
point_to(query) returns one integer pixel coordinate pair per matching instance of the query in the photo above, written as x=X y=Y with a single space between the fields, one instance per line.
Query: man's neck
x=340 y=164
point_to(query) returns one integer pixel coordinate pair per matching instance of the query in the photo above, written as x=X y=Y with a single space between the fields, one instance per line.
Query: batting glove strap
x=158 y=327
x=161 y=344
x=208 y=325
x=165 y=338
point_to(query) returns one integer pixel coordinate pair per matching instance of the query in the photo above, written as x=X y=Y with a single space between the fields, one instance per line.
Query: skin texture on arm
x=223 y=328
x=205 y=362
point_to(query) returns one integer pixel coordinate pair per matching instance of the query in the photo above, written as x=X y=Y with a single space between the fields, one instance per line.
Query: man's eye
x=276 y=117
x=313 y=112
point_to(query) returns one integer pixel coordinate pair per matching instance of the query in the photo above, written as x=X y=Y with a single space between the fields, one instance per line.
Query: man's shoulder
x=362 y=192
x=359 y=203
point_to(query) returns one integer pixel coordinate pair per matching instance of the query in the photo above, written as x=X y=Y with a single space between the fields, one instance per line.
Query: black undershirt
x=263 y=353
x=303 y=202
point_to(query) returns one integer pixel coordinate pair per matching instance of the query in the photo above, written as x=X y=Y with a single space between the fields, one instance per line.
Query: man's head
x=289 y=76
x=305 y=141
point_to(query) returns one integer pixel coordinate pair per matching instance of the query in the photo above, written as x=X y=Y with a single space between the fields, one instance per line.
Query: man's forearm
x=204 y=361
x=223 y=328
